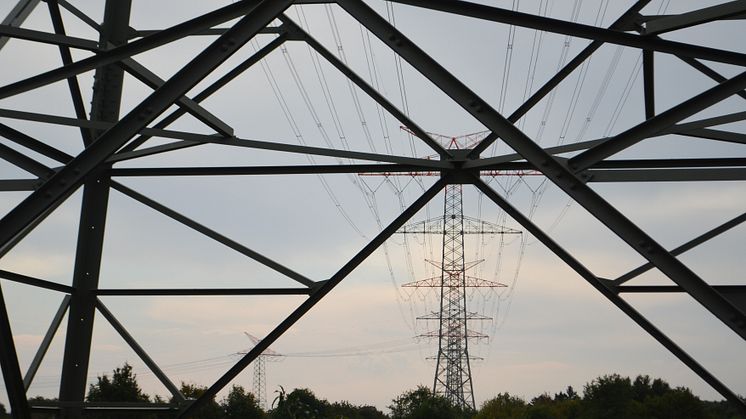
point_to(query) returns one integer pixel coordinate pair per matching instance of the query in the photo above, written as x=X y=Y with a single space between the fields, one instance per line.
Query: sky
x=549 y=328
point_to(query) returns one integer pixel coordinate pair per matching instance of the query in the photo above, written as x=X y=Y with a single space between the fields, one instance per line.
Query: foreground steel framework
x=110 y=138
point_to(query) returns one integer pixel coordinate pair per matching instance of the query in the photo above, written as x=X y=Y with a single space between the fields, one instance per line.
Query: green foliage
x=421 y=403
x=503 y=406
x=122 y=387
x=211 y=410
x=3 y=413
x=240 y=404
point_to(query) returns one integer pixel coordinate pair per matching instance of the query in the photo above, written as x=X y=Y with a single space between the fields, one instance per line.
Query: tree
x=421 y=403
x=122 y=387
x=240 y=404
x=346 y=410
x=610 y=396
x=503 y=406
x=300 y=403
x=211 y=410
x=3 y=413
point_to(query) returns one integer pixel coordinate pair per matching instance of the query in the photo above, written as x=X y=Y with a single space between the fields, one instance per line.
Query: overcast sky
x=550 y=329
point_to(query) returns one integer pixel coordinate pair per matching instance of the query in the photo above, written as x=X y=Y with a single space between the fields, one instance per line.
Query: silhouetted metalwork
x=110 y=138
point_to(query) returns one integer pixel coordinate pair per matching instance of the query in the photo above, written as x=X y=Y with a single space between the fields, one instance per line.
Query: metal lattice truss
x=110 y=139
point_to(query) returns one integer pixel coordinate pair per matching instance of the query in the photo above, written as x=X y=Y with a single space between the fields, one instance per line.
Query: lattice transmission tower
x=260 y=370
x=453 y=368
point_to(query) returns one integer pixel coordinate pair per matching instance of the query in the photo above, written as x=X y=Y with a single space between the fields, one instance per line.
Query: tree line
x=609 y=397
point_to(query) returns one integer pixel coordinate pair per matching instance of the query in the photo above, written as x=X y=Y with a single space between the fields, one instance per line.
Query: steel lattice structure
x=110 y=138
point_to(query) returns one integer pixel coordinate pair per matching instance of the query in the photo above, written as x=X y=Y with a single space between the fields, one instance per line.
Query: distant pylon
x=260 y=371
x=453 y=368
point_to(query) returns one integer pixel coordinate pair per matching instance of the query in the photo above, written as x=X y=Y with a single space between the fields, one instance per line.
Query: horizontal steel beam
x=665 y=175
x=174 y=292
x=269 y=170
x=496 y=14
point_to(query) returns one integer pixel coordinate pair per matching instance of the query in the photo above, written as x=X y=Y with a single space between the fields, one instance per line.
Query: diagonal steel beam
x=661 y=121
x=693 y=18
x=612 y=296
x=17 y=16
x=258 y=257
x=214 y=87
x=72 y=82
x=365 y=87
x=24 y=162
x=154 y=368
x=684 y=247
x=34 y=144
x=10 y=368
x=46 y=342
x=308 y=304
x=497 y=14
x=557 y=172
x=72 y=175
x=625 y=19
x=158 y=39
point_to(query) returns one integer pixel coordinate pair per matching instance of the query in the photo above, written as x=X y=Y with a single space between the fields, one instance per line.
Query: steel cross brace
x=557 y=172
x=324 y=287
x=611 y=295
x=74 y=173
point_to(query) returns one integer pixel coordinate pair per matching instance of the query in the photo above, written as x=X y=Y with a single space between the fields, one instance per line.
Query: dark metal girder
x=420 y=133
x=661 y=121
x=190 y=106
x=35 y=282
x=717 y=135
x=626 y=18
x=172 y=292
x=285 y=147
x=648 y=76
x=696 y=17
x=665 y=175
x=323 y=289
x=18 y=185
x=10 y=368
x=707 y=71
x=24 y=162
x=72 y=82
x=48 y=38
x=17 y=15
x=72 y=175
x=34 y=144
x=214 y=87
x=154 y=368
x=558 y=173
x=163 y=37
x=46 y=342
x=258 y=257
x=270 y=170
x=612 y=296
x=541 y=23
x=684 y=247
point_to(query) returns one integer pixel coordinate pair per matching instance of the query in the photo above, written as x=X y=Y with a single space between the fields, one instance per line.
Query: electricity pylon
x=453 y=369
x=260 y=371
